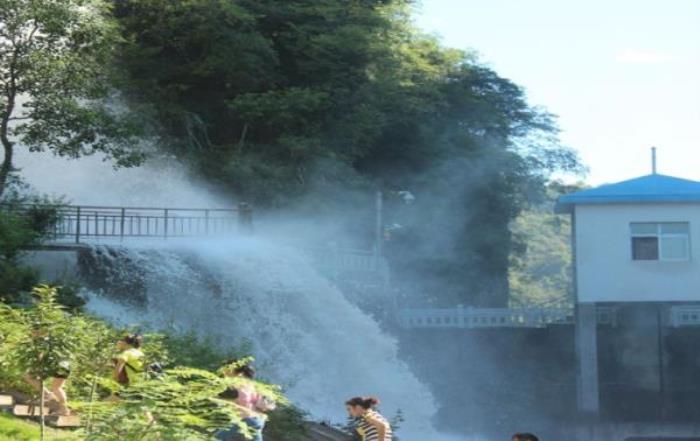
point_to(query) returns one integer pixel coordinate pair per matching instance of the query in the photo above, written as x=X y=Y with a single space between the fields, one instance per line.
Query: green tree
x=43 y=337
x=13 y=330
x=541 y=265
x=334 y=98
x=55 y=78
x=182 y=403
x=24 y=221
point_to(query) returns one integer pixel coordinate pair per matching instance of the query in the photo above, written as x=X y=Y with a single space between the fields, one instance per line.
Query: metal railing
x=473 y=318
x=349 y=259
x=684 y=315
x=80 y=223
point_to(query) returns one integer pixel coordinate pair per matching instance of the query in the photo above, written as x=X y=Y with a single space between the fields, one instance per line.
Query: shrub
x=181 y=404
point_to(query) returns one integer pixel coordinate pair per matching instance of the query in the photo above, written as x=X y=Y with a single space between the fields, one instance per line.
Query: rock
x=68 y=421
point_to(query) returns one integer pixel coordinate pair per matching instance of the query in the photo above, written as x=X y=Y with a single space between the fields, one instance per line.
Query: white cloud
x=644 y=57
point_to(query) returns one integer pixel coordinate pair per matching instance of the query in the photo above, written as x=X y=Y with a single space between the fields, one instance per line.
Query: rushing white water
x=305 y=334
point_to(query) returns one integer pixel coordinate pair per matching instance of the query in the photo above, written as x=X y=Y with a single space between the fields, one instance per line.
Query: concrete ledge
x=57 y=247
x=53 y=263
x=630 y=431
x=320 y=432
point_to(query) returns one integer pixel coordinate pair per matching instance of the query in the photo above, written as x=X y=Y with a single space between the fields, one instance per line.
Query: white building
x=633 y=241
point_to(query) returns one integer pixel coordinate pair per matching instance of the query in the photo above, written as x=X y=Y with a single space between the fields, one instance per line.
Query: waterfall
x=245 y=291
x=304 y=333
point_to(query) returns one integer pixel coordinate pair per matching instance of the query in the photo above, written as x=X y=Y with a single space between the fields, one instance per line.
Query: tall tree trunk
x=6 y=166
x=7 y=145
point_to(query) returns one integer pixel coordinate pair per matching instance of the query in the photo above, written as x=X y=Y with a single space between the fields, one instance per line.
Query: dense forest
x=301 y=104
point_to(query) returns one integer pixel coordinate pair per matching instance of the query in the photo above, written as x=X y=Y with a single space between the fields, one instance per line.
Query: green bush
x=15 y=280
x=180 y=404
x=24 y=221
x=286 y=424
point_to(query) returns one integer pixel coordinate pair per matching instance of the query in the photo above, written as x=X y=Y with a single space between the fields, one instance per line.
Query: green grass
x=15 y=429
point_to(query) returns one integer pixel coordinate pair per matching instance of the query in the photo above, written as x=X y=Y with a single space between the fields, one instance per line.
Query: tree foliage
x=182 y=403
x=25 y=220
x=541 y=266
x=49 y=335
x=297 y=103
x=280 y=102
x=55 y=82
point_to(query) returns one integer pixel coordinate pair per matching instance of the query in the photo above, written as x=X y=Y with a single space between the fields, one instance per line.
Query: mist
x=264 y=291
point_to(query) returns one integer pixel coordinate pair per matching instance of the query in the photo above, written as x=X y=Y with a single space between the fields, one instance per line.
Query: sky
x=622 y=75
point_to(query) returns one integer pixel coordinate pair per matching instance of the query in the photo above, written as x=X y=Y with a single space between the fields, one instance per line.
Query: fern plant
x=181 y=404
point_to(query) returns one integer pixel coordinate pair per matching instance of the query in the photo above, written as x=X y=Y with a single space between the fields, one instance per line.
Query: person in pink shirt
x=251 y=405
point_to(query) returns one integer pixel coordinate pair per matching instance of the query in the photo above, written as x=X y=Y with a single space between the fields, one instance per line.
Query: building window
x=666 y=241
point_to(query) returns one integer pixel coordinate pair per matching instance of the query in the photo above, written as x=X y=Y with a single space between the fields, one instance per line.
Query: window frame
x=659 y=236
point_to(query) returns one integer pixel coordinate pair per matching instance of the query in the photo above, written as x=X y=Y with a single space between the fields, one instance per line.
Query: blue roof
x=645 y=189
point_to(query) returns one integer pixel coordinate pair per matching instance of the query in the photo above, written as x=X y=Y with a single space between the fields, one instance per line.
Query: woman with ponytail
x=129 y=366
x=372 y=426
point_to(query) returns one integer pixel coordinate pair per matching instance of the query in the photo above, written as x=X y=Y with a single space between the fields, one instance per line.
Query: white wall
x=605 y=269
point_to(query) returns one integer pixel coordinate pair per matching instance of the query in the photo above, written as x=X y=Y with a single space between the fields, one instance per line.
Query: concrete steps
x=6 y=401
x=64 y=422
x=29 y=411
x=23 y=407
x=59 y=421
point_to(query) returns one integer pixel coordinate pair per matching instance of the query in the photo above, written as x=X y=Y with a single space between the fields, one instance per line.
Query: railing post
x=165 y=220
x=206 y=222
x=77 y=227
x=56 y=226
x=245 y=217
x=121 y=222
x=379 y=226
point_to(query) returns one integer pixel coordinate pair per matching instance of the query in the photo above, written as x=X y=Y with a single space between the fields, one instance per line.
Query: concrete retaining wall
x=53 y=265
